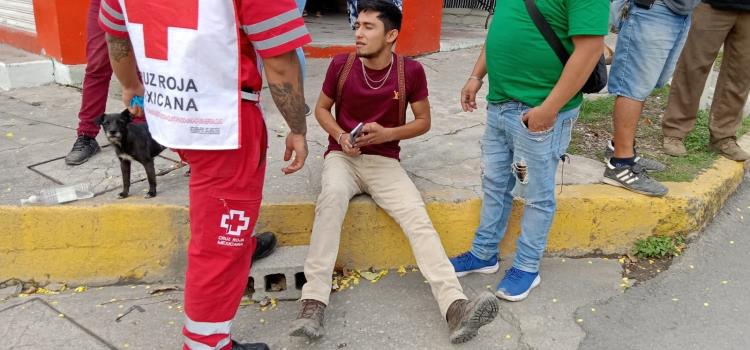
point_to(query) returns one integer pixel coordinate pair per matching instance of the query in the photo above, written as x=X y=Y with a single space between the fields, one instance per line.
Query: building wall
x=54 y=28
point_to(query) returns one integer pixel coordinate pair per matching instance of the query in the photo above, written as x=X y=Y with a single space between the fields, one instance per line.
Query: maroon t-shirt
x=360 y=103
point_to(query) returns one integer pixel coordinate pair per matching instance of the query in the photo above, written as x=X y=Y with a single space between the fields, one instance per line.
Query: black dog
x=132 y=142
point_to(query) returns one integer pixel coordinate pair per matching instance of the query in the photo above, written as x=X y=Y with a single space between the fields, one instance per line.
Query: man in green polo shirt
x=533 y=103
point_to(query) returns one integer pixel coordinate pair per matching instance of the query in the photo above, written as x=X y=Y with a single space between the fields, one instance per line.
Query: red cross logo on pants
x=235 y=222
x=157 y=16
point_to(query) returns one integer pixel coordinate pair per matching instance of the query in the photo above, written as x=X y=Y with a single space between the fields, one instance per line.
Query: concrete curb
x=126 y=243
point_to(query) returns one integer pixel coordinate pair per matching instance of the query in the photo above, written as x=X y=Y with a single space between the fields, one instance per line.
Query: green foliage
x=658 y=246
x=595 y=110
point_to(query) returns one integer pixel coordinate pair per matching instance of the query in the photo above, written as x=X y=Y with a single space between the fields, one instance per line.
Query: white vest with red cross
x=189 y=57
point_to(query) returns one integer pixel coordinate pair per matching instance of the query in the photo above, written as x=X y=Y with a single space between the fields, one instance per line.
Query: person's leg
x=392 y=189
x=497 y=202
x=732 y=89
x=225 y=196
x=625 y=120
x=540 y=152
x=97 y=77
x=645 y=51
x=708 y=30
x=95 y=89
x=339 y=183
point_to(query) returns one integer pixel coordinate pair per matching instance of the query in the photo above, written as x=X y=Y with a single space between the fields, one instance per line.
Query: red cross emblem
x=235 y=222
x=157 y=16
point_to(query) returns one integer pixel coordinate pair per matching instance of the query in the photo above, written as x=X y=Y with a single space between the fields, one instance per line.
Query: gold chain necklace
x=382 y=81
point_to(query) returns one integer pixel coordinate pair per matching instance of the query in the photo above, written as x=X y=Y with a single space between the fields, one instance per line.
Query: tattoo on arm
x=291 y=104
x=119 y=48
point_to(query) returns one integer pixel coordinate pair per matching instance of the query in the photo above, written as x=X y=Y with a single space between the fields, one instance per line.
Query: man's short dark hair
x=388 y=12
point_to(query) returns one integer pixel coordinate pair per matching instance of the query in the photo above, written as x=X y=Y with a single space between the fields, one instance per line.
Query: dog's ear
x=126 y=116
x=99 y=120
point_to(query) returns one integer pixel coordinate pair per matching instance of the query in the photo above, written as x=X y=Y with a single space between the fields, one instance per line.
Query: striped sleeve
x=274 y=27
x=111 y=19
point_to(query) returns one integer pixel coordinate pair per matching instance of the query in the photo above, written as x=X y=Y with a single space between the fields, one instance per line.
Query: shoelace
x=638 y=169
x=309 y=309
x=513 y=274
x=80 y=144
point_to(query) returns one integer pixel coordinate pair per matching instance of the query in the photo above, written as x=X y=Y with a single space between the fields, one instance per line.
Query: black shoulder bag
x=598 y=79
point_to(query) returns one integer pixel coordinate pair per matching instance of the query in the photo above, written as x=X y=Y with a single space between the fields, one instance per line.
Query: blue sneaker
x=467 y=263
x=517 y=284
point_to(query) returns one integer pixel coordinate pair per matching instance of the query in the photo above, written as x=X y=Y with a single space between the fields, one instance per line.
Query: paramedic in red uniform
x=201 y=78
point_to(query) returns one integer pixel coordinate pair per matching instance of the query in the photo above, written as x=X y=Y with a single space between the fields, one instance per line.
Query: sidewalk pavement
x=699 y=303
x=394 y=313
x=135 y=239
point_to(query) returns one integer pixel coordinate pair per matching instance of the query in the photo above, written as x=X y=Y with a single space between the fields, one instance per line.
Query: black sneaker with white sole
x=646 y=163
x=633 y=178
x=83 y=149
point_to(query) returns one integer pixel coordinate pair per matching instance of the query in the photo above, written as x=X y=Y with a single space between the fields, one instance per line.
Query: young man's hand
x=347 y=146
x=373 y=134
x=295 y=144
x=539 y=119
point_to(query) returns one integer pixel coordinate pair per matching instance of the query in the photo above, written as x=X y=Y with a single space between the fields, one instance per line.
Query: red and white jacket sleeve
x=111 y=19
x=274 y=27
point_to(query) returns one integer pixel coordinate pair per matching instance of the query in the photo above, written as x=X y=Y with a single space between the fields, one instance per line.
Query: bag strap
x=343 y=75
x=401 y=90
x=549 y=35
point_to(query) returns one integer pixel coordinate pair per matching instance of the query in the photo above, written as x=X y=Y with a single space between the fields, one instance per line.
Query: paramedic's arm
x=588 y=49
x=124 y=66
x=375 y=133
x=474 y=83
x=285 y=82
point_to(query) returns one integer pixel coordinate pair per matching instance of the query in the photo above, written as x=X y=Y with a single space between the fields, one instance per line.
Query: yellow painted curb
x=95 y=244
x=117 y=243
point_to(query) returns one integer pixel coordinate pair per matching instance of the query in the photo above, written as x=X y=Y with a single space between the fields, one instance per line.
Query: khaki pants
x=392 y=189
x=710 y=29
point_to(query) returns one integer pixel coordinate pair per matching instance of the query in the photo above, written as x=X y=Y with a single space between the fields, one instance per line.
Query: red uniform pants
x=97 y=77
x=225 y=195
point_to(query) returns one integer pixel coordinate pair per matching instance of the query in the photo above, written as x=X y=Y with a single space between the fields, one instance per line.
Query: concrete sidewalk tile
x=37 y=325
x=397 y=312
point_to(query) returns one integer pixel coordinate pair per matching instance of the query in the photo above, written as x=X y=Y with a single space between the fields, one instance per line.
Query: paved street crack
x=411 y=173
x=509 y=317
x=450 y=133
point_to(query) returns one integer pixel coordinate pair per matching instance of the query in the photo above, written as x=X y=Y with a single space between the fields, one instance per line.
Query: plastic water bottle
x=57 y=195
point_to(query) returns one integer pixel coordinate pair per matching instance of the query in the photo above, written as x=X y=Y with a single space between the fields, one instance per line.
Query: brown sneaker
x=730 y=149
x=465 y=317
x=309 y=322
x=674 y=146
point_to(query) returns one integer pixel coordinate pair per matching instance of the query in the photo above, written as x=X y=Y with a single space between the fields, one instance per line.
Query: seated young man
x=366 y=89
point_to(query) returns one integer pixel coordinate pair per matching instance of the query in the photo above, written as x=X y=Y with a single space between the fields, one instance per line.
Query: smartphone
x=355 y=132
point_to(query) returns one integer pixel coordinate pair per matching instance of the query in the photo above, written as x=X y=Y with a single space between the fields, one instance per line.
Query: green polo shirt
x=520 y=63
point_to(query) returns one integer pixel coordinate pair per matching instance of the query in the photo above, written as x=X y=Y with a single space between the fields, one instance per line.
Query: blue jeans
x=648 y=45
x=506 y=143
